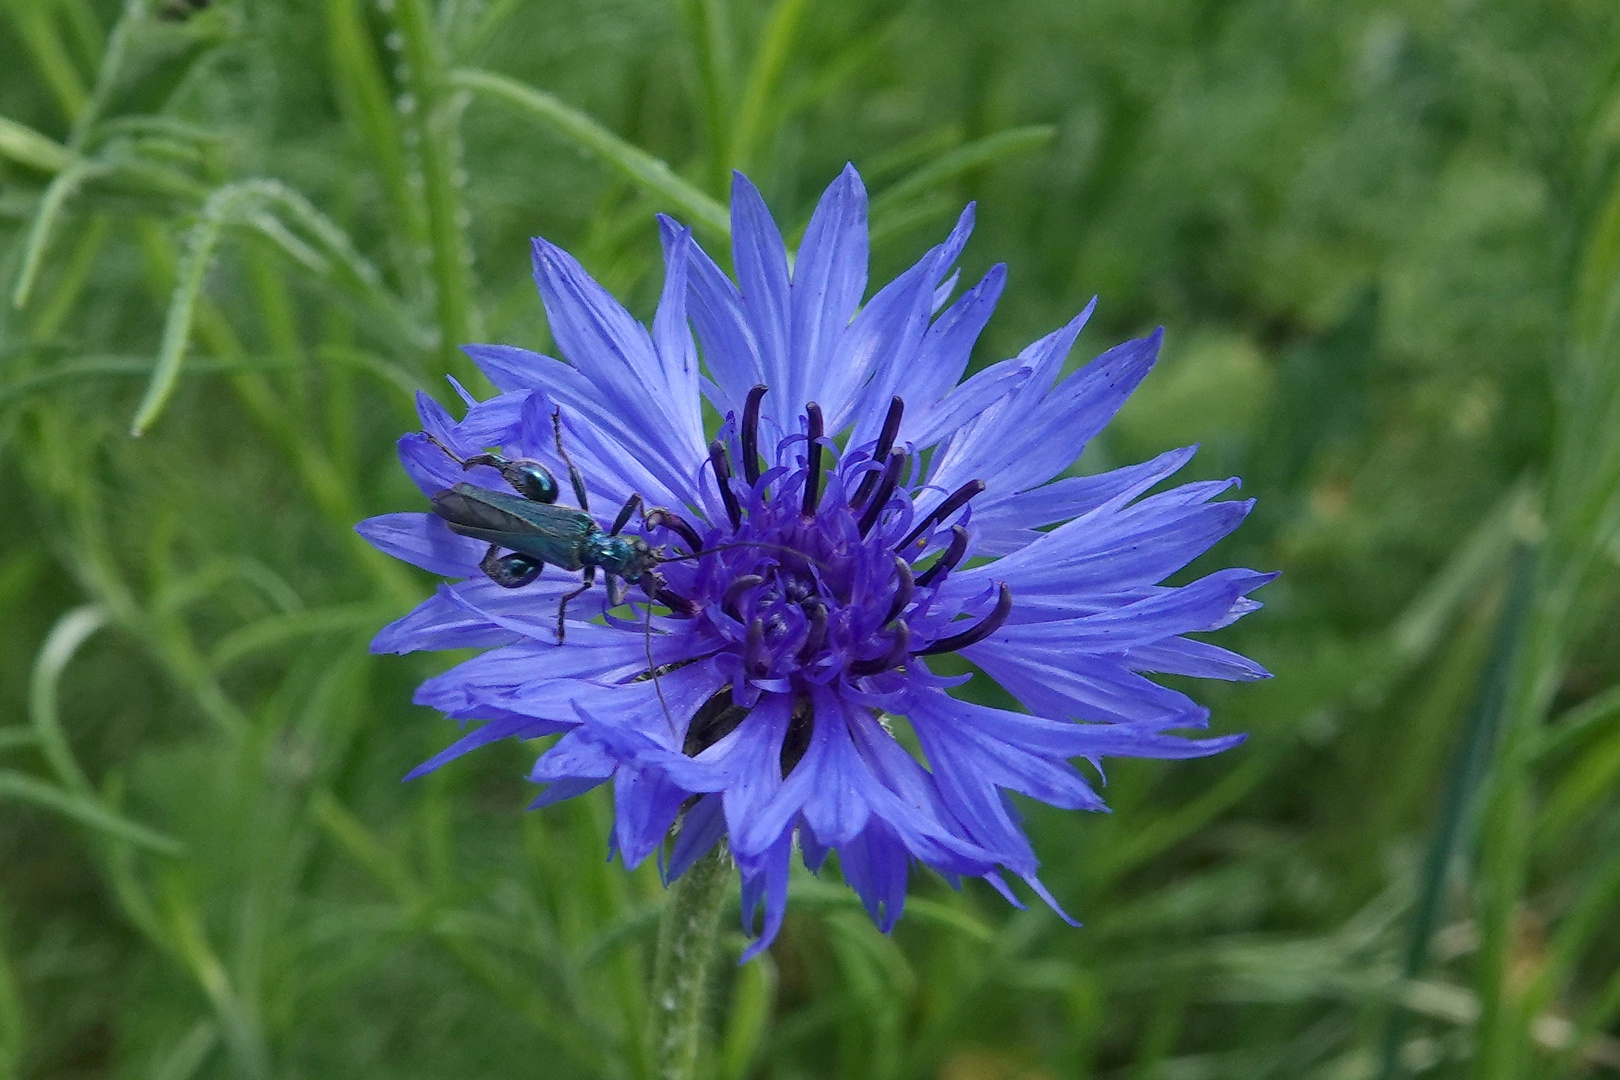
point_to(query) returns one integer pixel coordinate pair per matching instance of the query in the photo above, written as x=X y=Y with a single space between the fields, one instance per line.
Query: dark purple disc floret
x=862 y=509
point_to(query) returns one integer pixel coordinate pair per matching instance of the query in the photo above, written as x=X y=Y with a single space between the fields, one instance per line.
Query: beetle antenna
x=449 y=453
x=652 y=668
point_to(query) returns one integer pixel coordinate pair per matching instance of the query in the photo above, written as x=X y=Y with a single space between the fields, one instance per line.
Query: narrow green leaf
x=95 y=367
x=388 y=374
x=189 y=1053
x=38 y=32
x=23 y=144
x=364 y=94
x=72 y=278
x=240 y=1023
x=338 y=256
x=973 y=155
x=366 y=849
x=249 y=202
x=85 y=811
x=640 y=167
x=1451 y=839
x=1588 y=718
x=708 y=28
x=70 y=632
x=918 y=211
x=130 y=17
x=13 y=737
x=1473 y=566
x=764 y=78
x=193 y=268
x=748 y=1019
x=489 y=21
x=57 y=193
x=428 y=108
x=13 y=1023
x=276 y=630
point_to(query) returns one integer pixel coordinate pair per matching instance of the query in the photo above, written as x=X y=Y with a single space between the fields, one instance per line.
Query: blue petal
x=1088 y=688
x=655 y=410
x=964 y=404
x=876 y=865
x=574 y=756
x=645 y=803
x=750 y=757
x=764 y=883
x=997 y=731
x=970 y=794
x=1166 y=613
x=521 y=727
x=829 y=278
x=716 y=310
x=886 y=336
x=949 y=342
x=987 y=737
x=572 y=766
x=511 y=368
x=1184 y=656
x=826 y=786
x=702 y=827
x=761 y=260
x=672 y=340
x=423 y=540
x=1106 y=550
x=998 y=517
x=436 y=623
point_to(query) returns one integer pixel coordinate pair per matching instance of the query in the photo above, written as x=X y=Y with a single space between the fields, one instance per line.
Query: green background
x=1384 y=239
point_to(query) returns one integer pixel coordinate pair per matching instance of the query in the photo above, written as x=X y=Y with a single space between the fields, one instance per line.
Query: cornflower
x=862 y=510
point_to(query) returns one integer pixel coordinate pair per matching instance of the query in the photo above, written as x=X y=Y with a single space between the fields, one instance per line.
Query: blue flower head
x=861 y=510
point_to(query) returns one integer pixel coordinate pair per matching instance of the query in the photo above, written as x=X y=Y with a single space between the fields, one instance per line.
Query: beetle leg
x=629 y=507
x=494 y=461
x=574 y=476
x=562 y=602
x=509 y=571
x=615 y=590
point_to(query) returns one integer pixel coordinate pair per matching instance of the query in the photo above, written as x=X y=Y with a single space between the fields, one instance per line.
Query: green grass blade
x=13 y=1022
x=974 y=155
x=108 y=74
x=342 y=258
x=189 y=1053
x=62 y=188
x=386 y=373
x=1589 y=718
x=247 y=203
x=193 y=268
x=12 y=738
x=85 y=811
x=433 y=118
x=363 y=91
x=26 y=146
x=1449 y=838
x=748 y=1019
x=708 y=28
x=77 y=268
x=50 y=55
x=100 y=367
x=764 y=80
x=640 y=167
x=277 y=630
x=70 y=632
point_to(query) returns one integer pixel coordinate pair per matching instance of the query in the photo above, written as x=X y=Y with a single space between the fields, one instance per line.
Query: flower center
x=826 y=567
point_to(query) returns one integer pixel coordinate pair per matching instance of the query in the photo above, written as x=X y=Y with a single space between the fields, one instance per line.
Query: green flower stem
x=433 y=116
x=686 y=940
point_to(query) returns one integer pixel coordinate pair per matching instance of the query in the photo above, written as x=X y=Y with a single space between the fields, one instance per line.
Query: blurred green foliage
x=1385 y=237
